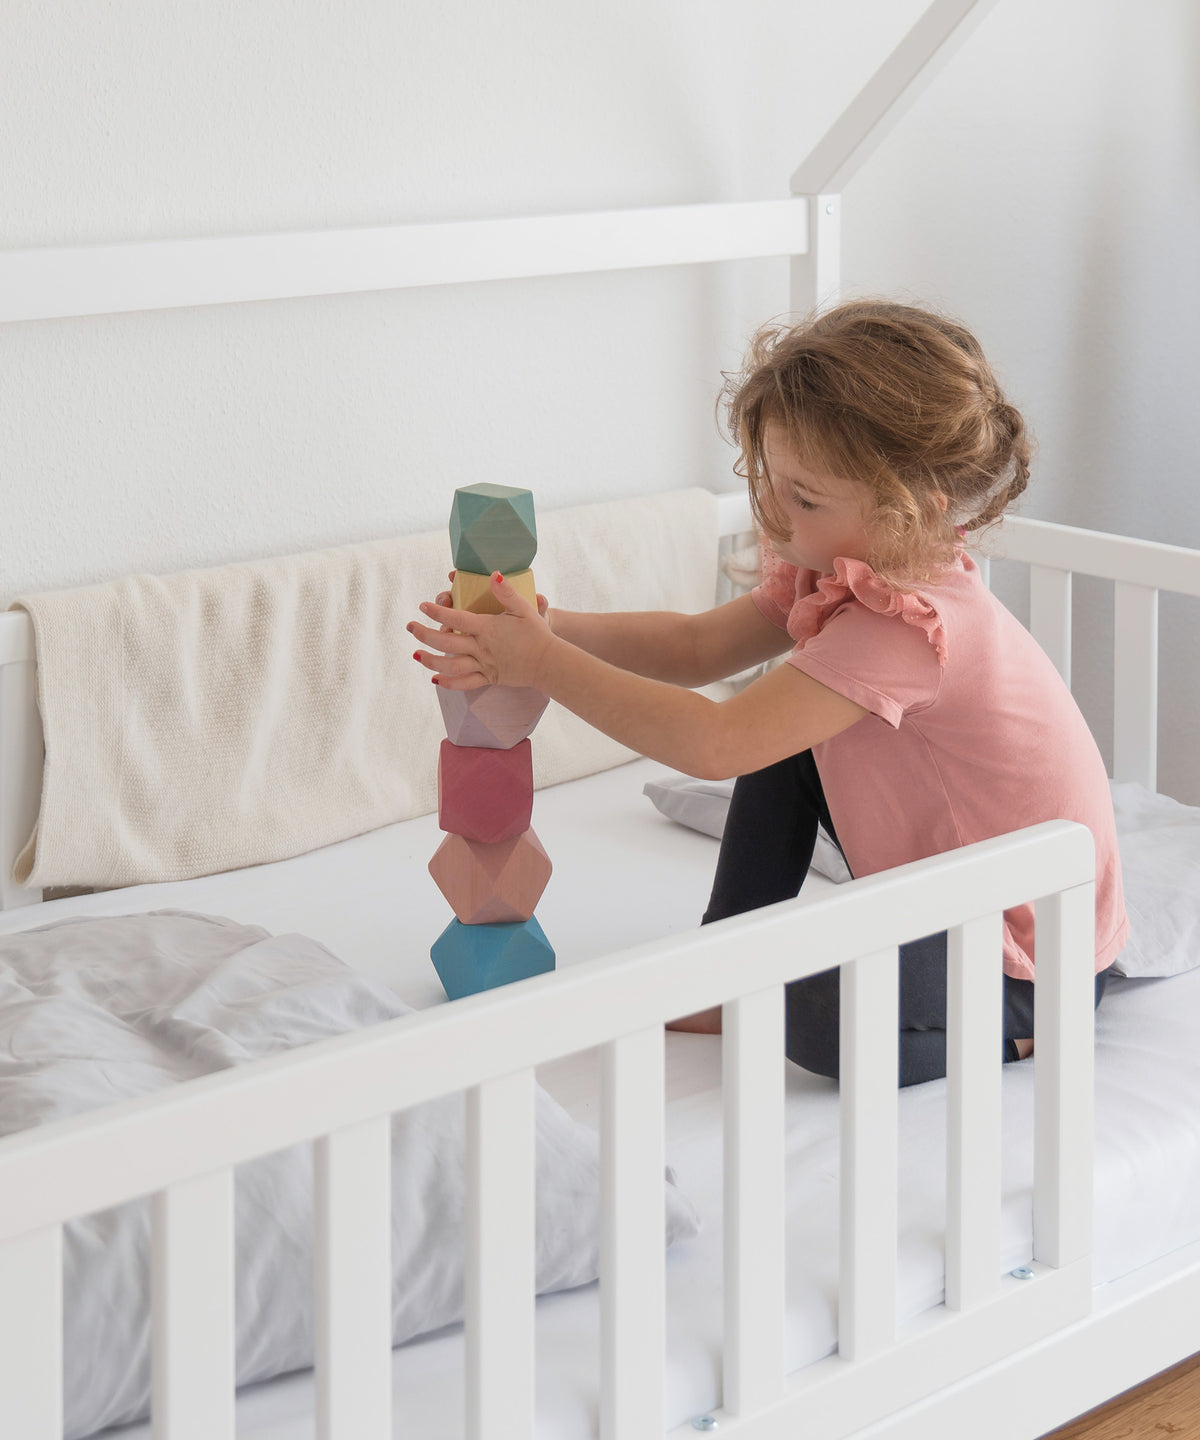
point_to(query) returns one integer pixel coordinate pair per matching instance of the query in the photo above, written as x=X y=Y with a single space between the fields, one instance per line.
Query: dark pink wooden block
x=485 y=794
x=491 y=884
x=495 y=717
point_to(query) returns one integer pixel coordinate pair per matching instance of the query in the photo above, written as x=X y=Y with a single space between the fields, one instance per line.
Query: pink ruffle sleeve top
x=971 y=731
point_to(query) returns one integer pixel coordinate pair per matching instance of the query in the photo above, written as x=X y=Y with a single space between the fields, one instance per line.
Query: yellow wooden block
x=469 y=591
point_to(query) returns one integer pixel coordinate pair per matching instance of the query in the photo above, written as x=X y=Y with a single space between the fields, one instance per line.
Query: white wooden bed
x=1006 y=1355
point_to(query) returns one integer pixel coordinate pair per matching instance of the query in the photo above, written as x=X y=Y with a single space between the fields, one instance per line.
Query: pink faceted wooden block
x=485 y=794
x=491 y=884
x=495 y=717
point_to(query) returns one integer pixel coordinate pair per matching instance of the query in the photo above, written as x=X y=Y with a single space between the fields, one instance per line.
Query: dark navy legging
x=766 y=850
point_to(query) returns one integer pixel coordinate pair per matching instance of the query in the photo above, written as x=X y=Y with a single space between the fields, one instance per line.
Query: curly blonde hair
x=899 y=399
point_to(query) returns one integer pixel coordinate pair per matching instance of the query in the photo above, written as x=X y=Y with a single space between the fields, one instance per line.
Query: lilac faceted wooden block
x=491 y=884
x=485 y=794
x=470 y=958
x=495 y=717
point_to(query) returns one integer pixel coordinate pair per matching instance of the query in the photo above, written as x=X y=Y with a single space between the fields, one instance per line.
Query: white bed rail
x=181 y=1148
x=1139 y=570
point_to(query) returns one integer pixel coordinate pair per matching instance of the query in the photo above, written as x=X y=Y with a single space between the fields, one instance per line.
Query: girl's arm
x=783 y=712
x=689 y=650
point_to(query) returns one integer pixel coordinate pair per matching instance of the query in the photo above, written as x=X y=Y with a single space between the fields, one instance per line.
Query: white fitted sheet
x=625 y=875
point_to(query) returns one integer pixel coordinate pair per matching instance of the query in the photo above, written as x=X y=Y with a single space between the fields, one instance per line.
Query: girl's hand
x=505 y=649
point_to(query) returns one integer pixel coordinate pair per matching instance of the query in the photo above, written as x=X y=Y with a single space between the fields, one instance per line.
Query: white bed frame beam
x=859 y=131
x=54 y=283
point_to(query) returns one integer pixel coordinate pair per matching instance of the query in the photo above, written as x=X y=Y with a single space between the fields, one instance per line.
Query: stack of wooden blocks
x=491 y=866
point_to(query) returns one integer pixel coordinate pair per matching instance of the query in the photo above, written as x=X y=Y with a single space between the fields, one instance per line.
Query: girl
x=913 y=714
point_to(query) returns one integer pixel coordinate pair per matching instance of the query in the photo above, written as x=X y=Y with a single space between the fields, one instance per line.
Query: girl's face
x=828 y=516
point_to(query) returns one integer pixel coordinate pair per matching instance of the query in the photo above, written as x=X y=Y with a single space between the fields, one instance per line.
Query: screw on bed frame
x=704 y=1422
x=1022 y=1272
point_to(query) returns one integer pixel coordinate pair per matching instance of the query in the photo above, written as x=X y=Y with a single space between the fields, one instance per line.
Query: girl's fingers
x=455 y=666
x=508 y=595
x=464 y=620
x=444 y=639
x=461 y=682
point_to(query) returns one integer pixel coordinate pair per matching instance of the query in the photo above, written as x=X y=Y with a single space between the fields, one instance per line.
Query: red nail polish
x=416 y=654
x=434 y=679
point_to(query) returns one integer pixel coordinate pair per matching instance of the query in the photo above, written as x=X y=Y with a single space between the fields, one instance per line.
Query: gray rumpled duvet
x=96 y=1010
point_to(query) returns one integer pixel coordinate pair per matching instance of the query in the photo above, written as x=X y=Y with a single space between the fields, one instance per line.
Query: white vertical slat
x=1135 y=685
x=21 y=756
x=974 y=1001
x=192 y=1329
x=31 y=1336
x=870 y=1031
x=501 y=1269
x=633 y=1239
x=1050 y=615
x=1064 y=1030
x=752 y=1061
x=816 y=275
x=352 y=1282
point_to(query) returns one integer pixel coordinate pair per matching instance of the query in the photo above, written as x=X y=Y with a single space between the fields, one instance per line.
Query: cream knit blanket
x=245 y=713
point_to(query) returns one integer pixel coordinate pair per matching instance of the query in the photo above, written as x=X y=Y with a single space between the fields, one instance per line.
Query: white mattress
x=624 y=875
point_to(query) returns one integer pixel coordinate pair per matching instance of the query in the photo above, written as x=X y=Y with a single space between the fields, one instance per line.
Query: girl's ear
x=941 y=501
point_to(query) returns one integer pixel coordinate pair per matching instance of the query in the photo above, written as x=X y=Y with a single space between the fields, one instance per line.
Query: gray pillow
x=703 y=804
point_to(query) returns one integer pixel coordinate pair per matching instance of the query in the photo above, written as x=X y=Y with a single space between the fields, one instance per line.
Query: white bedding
x=99 y=1009
x=372 y=903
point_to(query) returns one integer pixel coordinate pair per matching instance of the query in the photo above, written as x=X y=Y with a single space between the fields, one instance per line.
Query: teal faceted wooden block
x=492 y=528
x=470 y=958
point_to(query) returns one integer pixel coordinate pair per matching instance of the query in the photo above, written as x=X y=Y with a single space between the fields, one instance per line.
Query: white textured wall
x=1044 y=189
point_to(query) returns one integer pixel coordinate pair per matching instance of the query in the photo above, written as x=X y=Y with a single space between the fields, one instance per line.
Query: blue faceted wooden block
x=492 y=527
x=470 y=958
